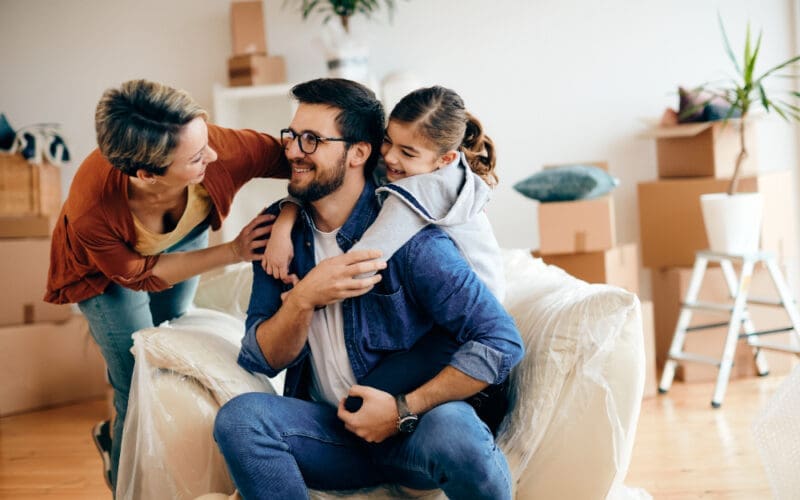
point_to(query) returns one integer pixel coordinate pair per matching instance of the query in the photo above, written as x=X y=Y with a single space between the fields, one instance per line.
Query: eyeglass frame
x=317 y=140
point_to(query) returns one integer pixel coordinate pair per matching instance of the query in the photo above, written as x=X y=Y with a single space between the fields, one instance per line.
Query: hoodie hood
x=449 y=196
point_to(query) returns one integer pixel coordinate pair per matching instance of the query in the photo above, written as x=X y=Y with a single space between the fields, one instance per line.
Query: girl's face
x=406 y=153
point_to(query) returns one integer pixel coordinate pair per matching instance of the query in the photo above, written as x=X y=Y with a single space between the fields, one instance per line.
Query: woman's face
x=406 y=153
x=191 y=156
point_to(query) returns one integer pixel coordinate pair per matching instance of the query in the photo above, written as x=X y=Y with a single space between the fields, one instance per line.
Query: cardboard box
x=671 y=220
x=618 y=266
x=648 y=329
x=706 y=149
x=247 y=28
x=48 y=364
x=577 y=226
x=669 y=292
x=23 y=266
x=28 y=188
x=256 y=70
x=27 y=226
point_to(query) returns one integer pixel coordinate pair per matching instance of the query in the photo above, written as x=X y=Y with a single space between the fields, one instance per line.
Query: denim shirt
x=427 y=282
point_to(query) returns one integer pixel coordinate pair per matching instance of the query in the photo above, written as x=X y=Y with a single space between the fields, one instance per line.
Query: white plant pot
x=733 y=223
x=348 y=59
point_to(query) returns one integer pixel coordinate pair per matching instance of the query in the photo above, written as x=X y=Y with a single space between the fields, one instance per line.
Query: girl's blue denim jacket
x=427 y=282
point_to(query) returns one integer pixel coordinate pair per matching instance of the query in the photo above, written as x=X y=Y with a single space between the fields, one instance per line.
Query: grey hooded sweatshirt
x=453 y=198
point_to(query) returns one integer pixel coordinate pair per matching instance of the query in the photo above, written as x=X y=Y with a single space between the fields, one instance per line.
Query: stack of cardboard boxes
x=250 y=63
x=694 y=159
x=580 y=237
x=46 y=354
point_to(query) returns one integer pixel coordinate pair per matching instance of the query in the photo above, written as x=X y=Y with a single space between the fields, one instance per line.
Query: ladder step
x=706 y=326
x=766 y=332
x=775 y=347
x=765 y=302
x=695 y=358
x=708 y=306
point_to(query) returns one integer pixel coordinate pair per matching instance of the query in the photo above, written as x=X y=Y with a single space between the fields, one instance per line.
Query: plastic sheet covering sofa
x=575 y=397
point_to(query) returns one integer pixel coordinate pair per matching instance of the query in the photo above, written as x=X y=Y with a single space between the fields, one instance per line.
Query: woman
x=132 y=235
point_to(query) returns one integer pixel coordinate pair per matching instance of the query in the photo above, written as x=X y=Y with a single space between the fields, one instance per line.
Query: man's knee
x=455 y=434
x=236 y=421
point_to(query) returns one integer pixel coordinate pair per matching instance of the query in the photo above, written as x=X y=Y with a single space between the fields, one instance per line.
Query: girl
x=438 y=169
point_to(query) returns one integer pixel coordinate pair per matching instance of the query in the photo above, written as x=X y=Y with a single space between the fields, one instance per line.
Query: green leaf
x=751 y=64
x=777 y=67
x=728 y=44
x=764 y=100
x=747 y=56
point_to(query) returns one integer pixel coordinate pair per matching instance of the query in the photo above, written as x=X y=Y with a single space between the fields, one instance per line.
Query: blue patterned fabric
x=567 y=183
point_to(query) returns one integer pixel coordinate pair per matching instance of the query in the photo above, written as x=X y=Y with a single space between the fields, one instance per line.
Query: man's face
x=319 y=174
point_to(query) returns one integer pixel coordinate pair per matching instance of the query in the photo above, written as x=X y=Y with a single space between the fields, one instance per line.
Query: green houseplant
x=343 y=9
x=733 y=220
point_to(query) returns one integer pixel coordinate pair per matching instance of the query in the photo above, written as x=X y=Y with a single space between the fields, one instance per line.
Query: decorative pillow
x=567 y=183
x=702 y=106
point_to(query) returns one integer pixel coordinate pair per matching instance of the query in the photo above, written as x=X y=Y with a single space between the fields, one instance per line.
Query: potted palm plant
x=346 y=57
x=732 y=219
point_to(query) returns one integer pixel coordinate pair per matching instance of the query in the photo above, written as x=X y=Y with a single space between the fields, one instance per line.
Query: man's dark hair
x=361 y=116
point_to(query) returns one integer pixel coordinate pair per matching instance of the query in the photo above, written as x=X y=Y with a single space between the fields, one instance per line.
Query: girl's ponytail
x=479 y=151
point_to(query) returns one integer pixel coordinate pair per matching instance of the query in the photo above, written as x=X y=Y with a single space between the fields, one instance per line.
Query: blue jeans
x=118 y=312
x=277 y=447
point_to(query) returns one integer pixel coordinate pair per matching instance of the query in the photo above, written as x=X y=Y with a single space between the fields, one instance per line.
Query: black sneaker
x=101 y=433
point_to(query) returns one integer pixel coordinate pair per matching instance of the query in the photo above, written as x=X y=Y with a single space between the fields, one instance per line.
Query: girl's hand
x=277 y=256
x=251 y=238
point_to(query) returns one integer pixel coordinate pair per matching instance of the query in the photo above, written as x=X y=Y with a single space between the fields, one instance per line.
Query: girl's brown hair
x=440 y=116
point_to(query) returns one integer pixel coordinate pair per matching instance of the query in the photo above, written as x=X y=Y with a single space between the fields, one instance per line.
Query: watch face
x=408 y=423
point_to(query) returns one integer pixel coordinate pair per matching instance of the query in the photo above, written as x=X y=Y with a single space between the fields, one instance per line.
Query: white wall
x=553 y=81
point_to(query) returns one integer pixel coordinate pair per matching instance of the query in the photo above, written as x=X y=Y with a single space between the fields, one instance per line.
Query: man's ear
x=447 y=158
x=359 y=153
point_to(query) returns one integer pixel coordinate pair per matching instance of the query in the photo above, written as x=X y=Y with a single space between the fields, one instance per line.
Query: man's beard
x=321 y=186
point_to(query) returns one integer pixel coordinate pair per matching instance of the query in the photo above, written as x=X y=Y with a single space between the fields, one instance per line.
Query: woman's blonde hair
x=439 y=115
x=138 y=124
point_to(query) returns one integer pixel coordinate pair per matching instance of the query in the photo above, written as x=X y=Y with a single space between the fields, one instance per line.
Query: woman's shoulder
x=95 y=189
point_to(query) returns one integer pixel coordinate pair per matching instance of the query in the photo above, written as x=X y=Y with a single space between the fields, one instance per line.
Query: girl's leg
x=113 y=317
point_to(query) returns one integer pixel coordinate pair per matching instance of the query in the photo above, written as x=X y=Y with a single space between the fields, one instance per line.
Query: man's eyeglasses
x=308 y=140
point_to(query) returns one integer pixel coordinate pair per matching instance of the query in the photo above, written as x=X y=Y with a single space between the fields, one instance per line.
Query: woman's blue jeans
x=277 y=447
x=118 y=312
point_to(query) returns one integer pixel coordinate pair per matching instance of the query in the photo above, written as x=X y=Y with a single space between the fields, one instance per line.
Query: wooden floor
x=684 y=449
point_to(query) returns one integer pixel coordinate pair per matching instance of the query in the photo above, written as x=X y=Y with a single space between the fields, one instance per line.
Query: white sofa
x=576 y=395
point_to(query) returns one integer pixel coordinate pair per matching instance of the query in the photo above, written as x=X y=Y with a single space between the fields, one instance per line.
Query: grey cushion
x=567 y=183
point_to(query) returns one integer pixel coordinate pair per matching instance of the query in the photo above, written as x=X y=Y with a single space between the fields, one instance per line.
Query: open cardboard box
x=707 y=149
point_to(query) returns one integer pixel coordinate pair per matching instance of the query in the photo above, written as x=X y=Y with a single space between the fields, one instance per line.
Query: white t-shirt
x=331 y=372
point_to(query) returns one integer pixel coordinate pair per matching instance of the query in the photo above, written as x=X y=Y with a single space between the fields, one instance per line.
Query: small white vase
x=347 y=58
x=733 y=222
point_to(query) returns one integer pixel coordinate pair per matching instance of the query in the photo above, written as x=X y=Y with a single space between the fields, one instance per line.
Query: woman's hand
x=251 y=238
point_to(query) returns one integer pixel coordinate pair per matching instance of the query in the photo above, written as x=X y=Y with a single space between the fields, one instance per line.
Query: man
x=329 y=332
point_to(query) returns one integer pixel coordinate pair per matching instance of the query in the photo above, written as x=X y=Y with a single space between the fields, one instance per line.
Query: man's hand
x=377 y=418
x=334 y=279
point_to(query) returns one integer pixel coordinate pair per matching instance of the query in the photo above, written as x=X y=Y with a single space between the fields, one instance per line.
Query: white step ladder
x=739 y=318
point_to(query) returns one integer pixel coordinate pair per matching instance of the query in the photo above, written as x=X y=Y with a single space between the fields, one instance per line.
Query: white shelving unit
x=265 y=108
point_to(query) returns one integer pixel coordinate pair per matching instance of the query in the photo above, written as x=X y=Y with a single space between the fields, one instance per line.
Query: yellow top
x=198 y=206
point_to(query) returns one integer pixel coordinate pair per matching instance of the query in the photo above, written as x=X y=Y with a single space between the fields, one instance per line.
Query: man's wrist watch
x=406 y=419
